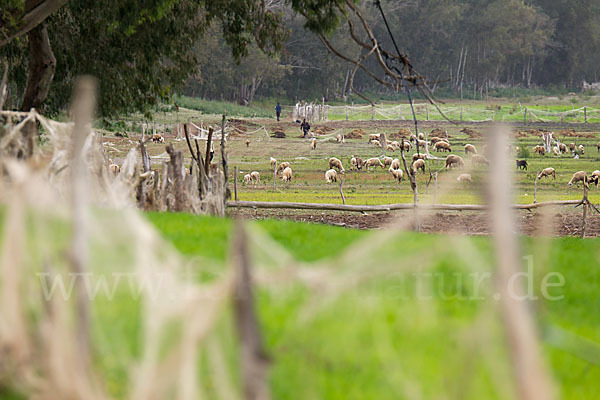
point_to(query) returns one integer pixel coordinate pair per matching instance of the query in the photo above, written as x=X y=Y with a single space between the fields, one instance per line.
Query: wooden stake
x=207 y=154
x=341 y=191
x=535 y=186
x=274 y=176
x=235 y=171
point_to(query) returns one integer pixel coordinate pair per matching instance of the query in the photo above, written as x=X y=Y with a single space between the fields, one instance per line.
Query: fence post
x=537 y=175
x=585 y=113
x=346 y=112
x=427 y=111
x=341 y=191
x=274 y=176
x=461 y=113
x=235 y=172
x=525 y=115
x=372 y=112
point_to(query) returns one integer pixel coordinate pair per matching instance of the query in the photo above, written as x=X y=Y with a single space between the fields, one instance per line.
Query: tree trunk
x=42 y=65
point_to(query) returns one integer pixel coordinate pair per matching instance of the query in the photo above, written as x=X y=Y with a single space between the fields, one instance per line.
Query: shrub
x=523 y=152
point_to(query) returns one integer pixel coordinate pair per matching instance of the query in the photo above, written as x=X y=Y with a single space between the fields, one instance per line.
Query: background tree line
x=462 y=46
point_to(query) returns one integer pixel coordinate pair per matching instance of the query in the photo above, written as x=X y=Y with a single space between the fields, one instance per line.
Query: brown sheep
x=469 y=148
x=391 y=148
x=454 y=161
x=547 y=172
x=387 y=161
x=157 y=138
x=563 y=148
x=421 y=136
x=115 y=169
x=247 y=143
x=287 y=175
x=373 y=136
x=396 y=164
x=439 y=146
x=539 y=149
x=572 y=146
x=419 y=164
x=397 y=174
x=359 y=163
x=478 y=159
x=313 y=144
x=334 y=162
x=420 y=156
x=374 y=162
x=580 y=176
x=282 y=166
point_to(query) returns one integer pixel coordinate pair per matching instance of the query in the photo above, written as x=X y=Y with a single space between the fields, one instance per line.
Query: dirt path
x=560 y=223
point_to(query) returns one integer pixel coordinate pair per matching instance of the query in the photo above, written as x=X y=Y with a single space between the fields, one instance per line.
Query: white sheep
x=579 y=176
x=555 y=151
x=390 y=148
x=595 y=177
x=374 y=162
x=464 y=178
x=340 y=138
x=397 y=174
x=352 y=163
x=387 y=161
x=418 y=164
x=287 y=175
x=273 y=163
x=421 y=156
x=547 y=172
x=396 y=164
x=454 y=161
x=421 y=136
x=247 y=179
x=581 y=149
x=376 y=143
x=313 y=144
x=439 y=146
x=469 y=148
x=255 y=176
x=330 y=176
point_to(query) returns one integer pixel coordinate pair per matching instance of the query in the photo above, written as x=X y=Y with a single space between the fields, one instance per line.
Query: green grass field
x=379 y=341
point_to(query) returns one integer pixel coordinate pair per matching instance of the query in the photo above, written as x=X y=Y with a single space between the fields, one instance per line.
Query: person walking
x=305 y=127
x=278 y=110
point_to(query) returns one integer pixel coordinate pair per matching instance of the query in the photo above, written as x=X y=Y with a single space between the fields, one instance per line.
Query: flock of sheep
x=394 y=165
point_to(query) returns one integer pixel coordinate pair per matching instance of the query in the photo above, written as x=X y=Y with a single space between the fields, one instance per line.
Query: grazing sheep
x=539 y=149
x=407 y=146
x=397 y=174
x=376 y=143
x=478 y=159
x=580 y=176
x=422 y=143
x=330 y=176
x=282 y=166
x=454 y=161
x=359 y=163
x=373 y=162
x=421 y=136
x=522 y=164
x=555 y=151
x=595 y=177
x=439 y=146
x=434 y=140
x=255 y=176
x=413 y=138
x=247 y=143
x=157 y=138
x=247 y=179
x=581 y=149
x=390 y=148
x=572 y=146
x=396 y=164
x=273 y=163
x=547 y=172
x=313 y=144
x=287 y=175
x=115 y=169
x=353 y=165
x=420 y=156
x=387 y=161
x=419 y=164
x=469 y=148
x=334 y=162
x=395 y=144
x=340 y=138
x=464 y=178
x=563 y=148
x=373 y=136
